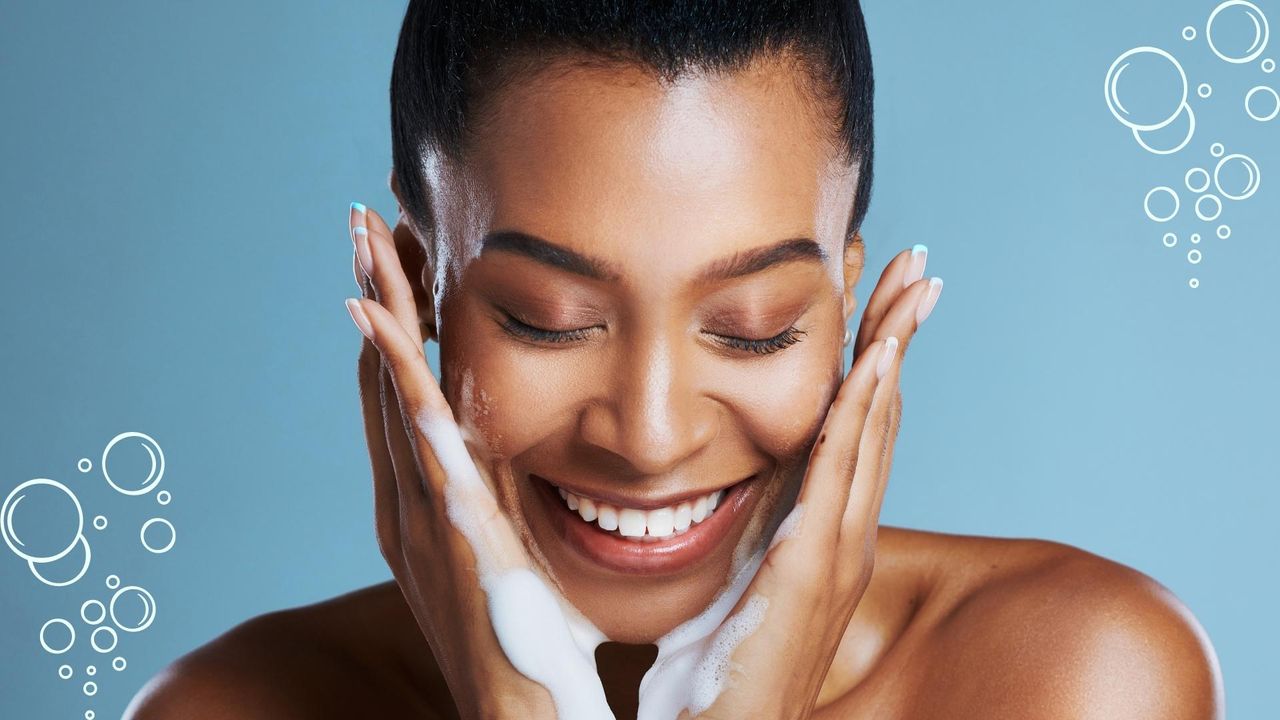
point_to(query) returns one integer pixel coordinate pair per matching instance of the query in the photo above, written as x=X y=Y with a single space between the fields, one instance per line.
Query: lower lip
x=657 y=557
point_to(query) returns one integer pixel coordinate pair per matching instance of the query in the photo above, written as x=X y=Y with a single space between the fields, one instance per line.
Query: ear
x=418 y=267
x=854 y=256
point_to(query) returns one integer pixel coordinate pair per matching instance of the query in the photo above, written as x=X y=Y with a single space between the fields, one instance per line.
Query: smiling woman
x=644 y=485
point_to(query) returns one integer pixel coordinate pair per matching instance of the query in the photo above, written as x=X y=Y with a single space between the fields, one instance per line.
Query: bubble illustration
x=1194 y=282
x=1170 y=240
x=104 y=639
x=84 y=465
x=47 y=638
x=1208 y=207
x=1224 y=232
x=119 y=664
x=163 y=497
x=1204 y=90
x=91 y=670
x=1197 y=180
x=50 y=525
x=100 y=522
x=163 y=536
x=1262 y=104
x=152 y=449
x=88 y=715
x=91 y=688
x=1193 y=256
x=1195 y=238
x=1170 y=139
x=96 y=608
x=1159 y=194
x=1188 y=33
x=1232 y=163
x=59 y=572
x=126 y=594
x=1133 y=73
x=1217 y=150
x=1268 y=66
x=113 y=582
x=1237 y=31
x=65 y=672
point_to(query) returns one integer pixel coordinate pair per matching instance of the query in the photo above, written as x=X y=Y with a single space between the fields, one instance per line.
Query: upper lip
x=638 y=503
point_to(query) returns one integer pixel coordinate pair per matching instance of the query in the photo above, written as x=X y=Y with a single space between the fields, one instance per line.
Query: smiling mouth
x=650 y=540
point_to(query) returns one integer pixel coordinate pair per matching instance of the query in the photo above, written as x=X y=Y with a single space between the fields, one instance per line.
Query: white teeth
x=608 y=518
x=631 y=522
x=661 y=522
x=587 y=509
x=646 y=525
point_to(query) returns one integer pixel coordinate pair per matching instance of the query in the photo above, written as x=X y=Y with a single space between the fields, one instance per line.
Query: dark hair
x=450 y=51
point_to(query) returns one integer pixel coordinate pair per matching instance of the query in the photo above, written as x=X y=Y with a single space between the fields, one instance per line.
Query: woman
x=644 y=484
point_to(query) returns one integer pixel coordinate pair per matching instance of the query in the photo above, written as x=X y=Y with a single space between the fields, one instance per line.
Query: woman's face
x=632 y=224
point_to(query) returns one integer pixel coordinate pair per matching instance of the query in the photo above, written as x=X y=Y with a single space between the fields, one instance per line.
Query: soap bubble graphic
x=65 y=672
x=1193 y=256
x=1231 y=163
x=1188 y=33
x=1211 y=214
x=1155 y=85
x=118 y=663
x=45 y=641
x=1204 y=90
x=88 y=715
x=91 y=688
x=152 y=448
x=43 y=523
x=84 y=465
x=104 y=639
x=1195 y=238
x=1194 y=282
x=1268 y=66
x=1217 y=150
x=1201 y=182
x=97 y=608
x=1233 y=21
x=113 y=582
x=167 y=535
x=91 y=670
x=1170 y=240
x=1254 y=100
x=1161 y=192
x=123 y=595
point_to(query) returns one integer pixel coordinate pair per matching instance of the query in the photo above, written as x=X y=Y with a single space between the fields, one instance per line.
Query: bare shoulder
x=1040 y=629
x=337 y=658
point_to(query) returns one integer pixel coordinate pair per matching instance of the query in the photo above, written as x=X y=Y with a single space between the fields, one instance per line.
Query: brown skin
x=658 y=180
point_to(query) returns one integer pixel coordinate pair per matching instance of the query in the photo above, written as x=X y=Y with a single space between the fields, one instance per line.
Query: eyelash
x=767 y=346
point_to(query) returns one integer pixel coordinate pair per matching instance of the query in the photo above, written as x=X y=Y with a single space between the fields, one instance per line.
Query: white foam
x=715 y=668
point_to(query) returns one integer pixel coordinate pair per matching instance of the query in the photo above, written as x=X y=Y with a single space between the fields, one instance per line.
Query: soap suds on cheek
x=715 y=670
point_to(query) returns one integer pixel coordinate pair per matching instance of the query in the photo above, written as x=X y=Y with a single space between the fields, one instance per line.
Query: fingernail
x=360 y=236
x=360 y=318
x=886 y=356
x=915 y=270
x=929 y=300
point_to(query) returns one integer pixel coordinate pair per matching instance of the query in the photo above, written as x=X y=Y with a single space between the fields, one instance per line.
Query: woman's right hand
x=453 y=552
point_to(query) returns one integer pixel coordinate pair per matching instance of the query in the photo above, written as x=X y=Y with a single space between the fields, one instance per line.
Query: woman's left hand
x=770 y=655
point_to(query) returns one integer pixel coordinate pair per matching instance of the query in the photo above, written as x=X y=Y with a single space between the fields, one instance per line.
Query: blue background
x=175 y=186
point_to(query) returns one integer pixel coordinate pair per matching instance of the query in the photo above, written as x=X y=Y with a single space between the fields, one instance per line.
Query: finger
x=902 y=271
x=386 y=510
x=834 y=457
x=391 y=287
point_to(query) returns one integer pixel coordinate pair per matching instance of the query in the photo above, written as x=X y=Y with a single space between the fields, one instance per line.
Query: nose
x=654 y=414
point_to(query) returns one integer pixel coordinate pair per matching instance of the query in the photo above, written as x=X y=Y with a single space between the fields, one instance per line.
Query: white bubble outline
x=103 y=518
x=1197 y=253
x=1113 y=76
x=1191 y=131
x=164 y=497
x=1268 y=65
x=93 y=639
x=84 y=615
x=84 y=465
x=1204 y=90
x=157 y=466
x=45 y=643
x=1248 y=98
x=89 y=715
x=69 y=670
x=1166 y=237
x=91 y=670
x=1255 y=176
x=1224 y=232
x=88 y=558
x=1260 y=39
x=173 y=535
x=110 y=578
x=1217 y=150
x=1188 y=33
x=1195 y=238
x=1187 y=179
x=1205 y=216
x=1195 y=282
x=91 y=688
x=123 y=663
x=148 y=600
x=1146 y=203
x=10 y=506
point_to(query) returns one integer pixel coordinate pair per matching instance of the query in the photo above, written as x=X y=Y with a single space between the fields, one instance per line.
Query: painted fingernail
x=886 y=356
x=915 y=269
x=360 y=318
x=929 y=300
x=360 y=236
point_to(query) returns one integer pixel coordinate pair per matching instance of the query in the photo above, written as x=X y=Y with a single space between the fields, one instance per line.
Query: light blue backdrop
x=175 y=186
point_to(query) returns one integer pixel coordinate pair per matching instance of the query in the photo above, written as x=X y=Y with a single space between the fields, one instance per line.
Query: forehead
x=652 y=176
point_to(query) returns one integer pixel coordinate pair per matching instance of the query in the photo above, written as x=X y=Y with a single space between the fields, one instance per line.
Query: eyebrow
x=739 y=264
